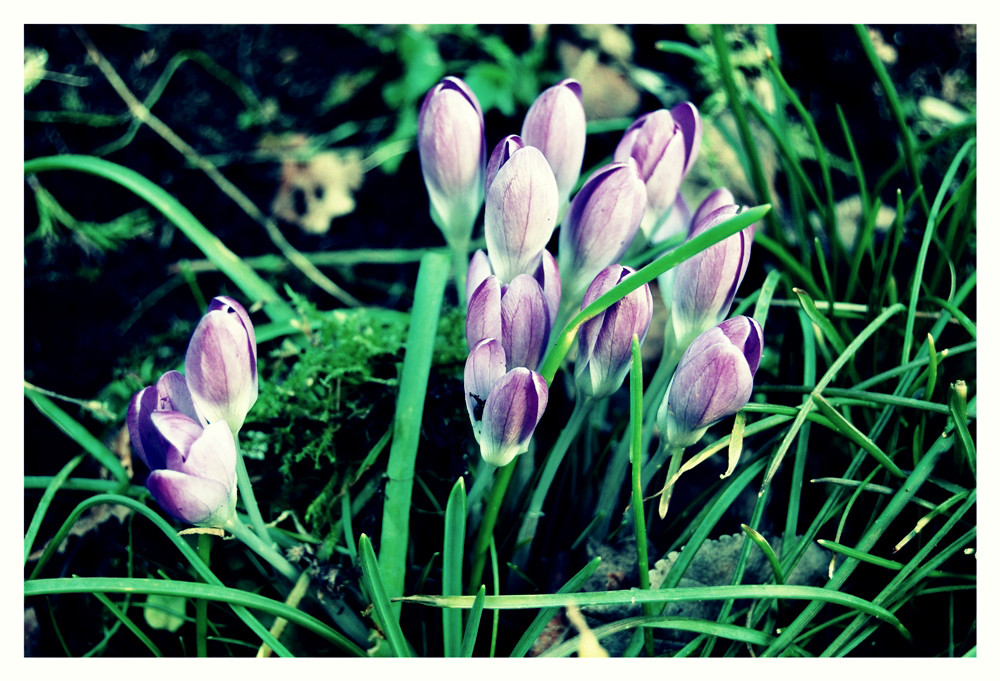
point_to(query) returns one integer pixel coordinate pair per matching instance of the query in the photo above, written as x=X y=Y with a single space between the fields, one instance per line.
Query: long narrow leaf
x=372 y=575
x=451 y=570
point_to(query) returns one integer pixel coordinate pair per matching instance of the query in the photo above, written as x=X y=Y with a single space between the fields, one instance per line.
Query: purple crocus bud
x=510 y=413
x=501 y=154
x=605 y=354
x=221 y=364
x=517 y=314
x=556 y=124
x=451 y=141
x=713 y=380
x=484 y=366
x=170 y=393
x=521 y=209
x=665 y=145
x=197 y=483
x=706 y=284
x=601 y=223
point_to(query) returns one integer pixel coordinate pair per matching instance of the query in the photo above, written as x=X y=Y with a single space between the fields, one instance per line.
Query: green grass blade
x=472 y=626
x=560 y=348
x=790 y=263
x=432 y=277
x=451 y=569
x=43 y=503
x=850 y=431
x=79 y=434
x=546 y=613
x=767 y=290
x=212 y=592
x=925 y=245
x=248 y=281
x=765 y=547
x=129 y=624
x=388 y=620
x=181 y=545
x=808 y=405
x=821 y=320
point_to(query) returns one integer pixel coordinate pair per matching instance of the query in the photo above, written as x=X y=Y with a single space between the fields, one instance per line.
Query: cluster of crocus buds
x=605 y=353
x=713 y=380
x=184 y=427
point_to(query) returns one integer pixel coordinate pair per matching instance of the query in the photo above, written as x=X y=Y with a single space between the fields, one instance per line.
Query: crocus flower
x=221 y=364
x=556 y=124
x=713 y=380
x=546 y=274
x=600 y=225
x=665 y=145
x=705 y=285
x=504 y=407
x=451 y=142
x=605 y=355
x=517 y=314
x=197 y=483
x=521 y=209
x=192 y=468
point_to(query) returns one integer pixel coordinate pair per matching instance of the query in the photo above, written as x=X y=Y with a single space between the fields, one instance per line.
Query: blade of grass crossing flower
x=45 y=501
x=129 y=624
x=79 y=434
x=537 y=625
x=212 y=592
x=388 y=619
x=850 y=431
x=248 y=281
x=451 y=568
x=925 y=245
x=808 y=405
x=432 y=277
x=560 y=348
x=472 y=626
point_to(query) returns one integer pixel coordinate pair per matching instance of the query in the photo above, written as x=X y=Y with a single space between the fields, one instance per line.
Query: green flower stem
x=676 y=454
x=529 y=524
x=635 y=457
x=262 y=548
x=485 y=534
x=201 y=605
x=246 y=493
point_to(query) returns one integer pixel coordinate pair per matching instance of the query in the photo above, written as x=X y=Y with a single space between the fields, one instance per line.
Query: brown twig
x=143 y=114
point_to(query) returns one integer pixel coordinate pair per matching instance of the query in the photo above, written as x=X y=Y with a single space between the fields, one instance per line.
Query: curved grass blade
x=212 y=592
x=182 y=546
x=252 y=285
x=850 y=431
x=762 y=544
x=43 y=503
x=380 y=599
x=560 y=348
x=129 y=624
x=79 y=434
